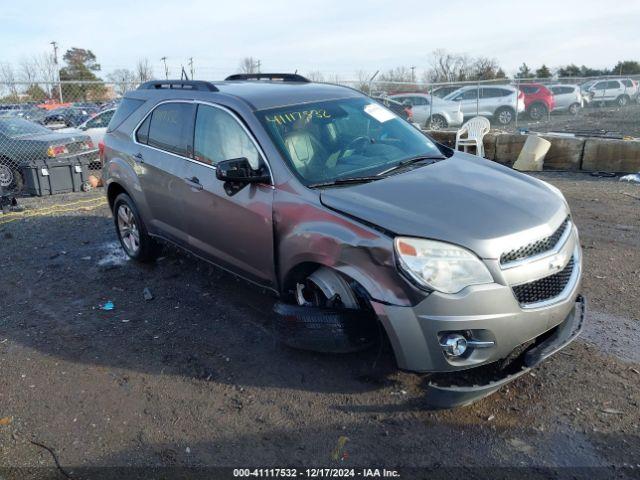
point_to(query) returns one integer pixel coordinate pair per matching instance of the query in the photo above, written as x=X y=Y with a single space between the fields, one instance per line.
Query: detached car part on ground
x=361 y=224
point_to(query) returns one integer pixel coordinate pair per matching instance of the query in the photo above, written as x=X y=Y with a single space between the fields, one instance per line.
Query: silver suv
x=354 y=219
x=499 y=102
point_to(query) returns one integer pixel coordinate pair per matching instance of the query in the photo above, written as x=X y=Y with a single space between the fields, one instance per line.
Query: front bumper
x=460 y=394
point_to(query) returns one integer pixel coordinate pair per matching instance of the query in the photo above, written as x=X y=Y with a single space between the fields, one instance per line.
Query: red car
x=538 y=100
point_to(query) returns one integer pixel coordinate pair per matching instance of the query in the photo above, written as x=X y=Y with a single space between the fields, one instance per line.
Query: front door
x=230 y=226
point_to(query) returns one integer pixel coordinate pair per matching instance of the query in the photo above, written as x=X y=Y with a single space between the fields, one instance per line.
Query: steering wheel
x=356 y=145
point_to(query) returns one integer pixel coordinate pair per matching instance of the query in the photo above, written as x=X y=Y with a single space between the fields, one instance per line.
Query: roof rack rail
x=199 y=85
x=278 y=77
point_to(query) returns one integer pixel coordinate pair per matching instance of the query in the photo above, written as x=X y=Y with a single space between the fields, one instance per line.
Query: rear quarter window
x=125 y=109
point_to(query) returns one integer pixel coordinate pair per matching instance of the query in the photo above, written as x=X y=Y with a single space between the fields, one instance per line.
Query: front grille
x=544 y=289
x=535 y=248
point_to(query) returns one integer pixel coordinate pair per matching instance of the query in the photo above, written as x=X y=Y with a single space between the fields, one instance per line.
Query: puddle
x=618 y=336
x=112 y=255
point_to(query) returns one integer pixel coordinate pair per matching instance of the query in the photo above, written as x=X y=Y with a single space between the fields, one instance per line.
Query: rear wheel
x=622 y=100
x=132 y=233
x=505 y=115
x=537 y=111
x=11 y=179
x=437 y=122
x=574 y=108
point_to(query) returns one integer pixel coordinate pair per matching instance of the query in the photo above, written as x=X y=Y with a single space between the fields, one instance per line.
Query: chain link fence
x=44 y=125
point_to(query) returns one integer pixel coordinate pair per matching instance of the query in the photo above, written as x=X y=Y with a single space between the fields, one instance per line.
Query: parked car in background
x=95 y=127
x=499 y=103
x=396 y=107
x=538 y=100
x=620 y=92
x=67 y=117
x=432 y=112
x=22 y=141
x=568 y=98
x=443 y=91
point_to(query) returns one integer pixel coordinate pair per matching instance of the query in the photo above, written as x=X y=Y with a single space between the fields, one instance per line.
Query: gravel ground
x=194 y=376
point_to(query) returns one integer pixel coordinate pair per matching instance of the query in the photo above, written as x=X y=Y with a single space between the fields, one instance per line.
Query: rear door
x=229 y=224
x=165 y=142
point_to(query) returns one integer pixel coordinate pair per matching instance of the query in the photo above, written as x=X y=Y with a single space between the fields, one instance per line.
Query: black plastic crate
x=56 y=175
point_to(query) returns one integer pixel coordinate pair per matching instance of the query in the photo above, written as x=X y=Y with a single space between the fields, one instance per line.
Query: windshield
x=348 y=138
x=16 y=128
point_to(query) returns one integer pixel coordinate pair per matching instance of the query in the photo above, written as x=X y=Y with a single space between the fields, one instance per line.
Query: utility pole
x=166 y=70
x=413 y=73
x=55 y=62
x=258 y=63
x=191 y=66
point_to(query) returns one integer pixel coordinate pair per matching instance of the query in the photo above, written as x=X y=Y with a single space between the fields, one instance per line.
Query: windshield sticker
x=379 y=113
x=291 y=117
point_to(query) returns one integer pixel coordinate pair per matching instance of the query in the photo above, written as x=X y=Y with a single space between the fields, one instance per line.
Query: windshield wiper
x=411 y=160
x=344 y=181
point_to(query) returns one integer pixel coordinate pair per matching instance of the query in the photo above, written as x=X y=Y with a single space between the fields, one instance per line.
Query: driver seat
x=304 y=149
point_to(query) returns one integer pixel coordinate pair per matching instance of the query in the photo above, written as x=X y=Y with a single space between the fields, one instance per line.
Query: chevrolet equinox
x=354 y=219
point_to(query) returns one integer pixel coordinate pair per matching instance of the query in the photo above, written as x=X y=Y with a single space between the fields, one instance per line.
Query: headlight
x=440 y=266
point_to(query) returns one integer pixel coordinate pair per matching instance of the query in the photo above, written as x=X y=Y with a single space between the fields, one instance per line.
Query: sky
x=331 y=36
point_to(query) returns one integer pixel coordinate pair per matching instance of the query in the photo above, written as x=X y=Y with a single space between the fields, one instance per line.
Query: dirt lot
x=194 y=376
x=624 y=120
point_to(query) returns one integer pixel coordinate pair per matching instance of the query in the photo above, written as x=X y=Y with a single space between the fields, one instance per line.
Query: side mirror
x=239 y=170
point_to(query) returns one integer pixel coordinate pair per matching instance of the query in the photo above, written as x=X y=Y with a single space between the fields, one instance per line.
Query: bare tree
x=315 y=76
x=124 y=79
x=362 y=81
x=459 y=67
x=144 y=71
x=8 y=80
x=250 y=65
x=47 y=71
x=28 y=70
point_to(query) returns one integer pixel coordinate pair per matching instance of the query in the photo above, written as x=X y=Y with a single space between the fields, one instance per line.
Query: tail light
x=57 y=150
x=101 y=151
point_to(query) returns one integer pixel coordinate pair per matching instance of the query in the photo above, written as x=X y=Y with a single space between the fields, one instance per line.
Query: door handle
x=194 y=182
x=138 y=156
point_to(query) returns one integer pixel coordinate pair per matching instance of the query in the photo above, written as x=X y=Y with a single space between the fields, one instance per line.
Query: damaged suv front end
x=472 y=268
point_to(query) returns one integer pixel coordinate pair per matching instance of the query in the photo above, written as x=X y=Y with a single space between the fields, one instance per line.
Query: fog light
x=453 y=344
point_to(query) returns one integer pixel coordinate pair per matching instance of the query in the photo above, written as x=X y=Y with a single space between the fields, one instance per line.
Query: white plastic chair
x=472 y=133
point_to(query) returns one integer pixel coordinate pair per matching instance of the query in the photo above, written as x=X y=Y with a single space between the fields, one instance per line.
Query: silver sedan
x=431 y=113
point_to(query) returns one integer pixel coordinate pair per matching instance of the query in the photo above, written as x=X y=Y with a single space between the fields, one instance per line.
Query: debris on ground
x=6 y=421
x=146 y=293
x=631 y=178
x=109 y=305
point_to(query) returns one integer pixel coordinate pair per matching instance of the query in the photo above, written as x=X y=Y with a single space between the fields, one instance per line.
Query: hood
x=465 y=200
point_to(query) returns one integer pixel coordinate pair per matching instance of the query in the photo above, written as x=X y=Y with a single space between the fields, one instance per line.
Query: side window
x=627 y=83
x=101 y=120
x=171 y=128
x=418 y=101
x=470 y=94
x=125 y=109
x=614 y=84
x=142 y=135
x=218 y=136
x=600 y=86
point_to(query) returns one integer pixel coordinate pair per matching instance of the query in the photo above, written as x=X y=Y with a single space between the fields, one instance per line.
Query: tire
x=11 y=179
x=537 y=111
x=324 y=330
x=622 y=100
x=574 y=108
x=505 y=115
x=437 y=122
x=132 y=232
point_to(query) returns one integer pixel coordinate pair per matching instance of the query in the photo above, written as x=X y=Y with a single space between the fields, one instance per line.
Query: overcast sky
x=332 y=36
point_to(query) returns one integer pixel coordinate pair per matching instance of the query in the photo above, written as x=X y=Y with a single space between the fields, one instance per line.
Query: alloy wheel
x=128 y=229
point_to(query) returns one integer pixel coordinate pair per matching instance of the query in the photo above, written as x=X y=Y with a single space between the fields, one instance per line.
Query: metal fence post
x=478 y=98
x=517 y=101
x=430 y=91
